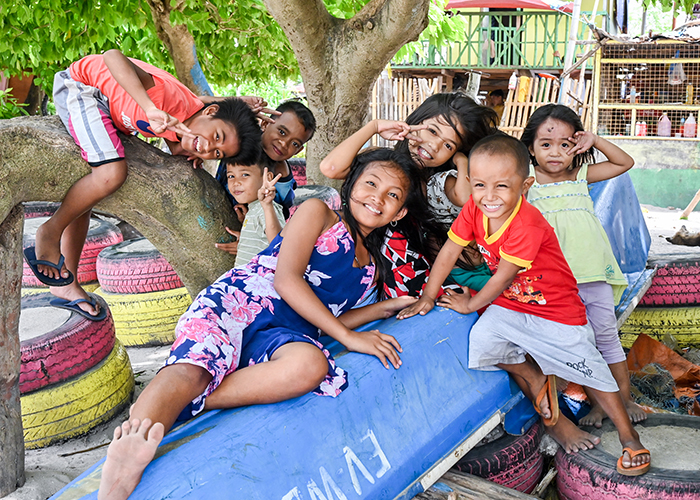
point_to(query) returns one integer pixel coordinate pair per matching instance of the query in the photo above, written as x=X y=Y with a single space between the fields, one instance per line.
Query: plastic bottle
x=664 y=127
x=690 y=127
x=689 y=93
x=633 y=95
x=643 y=129
x=513 y=81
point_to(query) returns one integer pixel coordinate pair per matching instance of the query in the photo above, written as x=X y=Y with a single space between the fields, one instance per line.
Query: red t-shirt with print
x=545 y=287
x=168 y=94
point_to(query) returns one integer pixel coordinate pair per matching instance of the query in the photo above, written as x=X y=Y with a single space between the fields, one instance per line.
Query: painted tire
x=298 y=167
x=511 y=461
x=100 y=235
x=325 y=193
x=135 y=266
x=76 y=406
x=39 y=208
x=675 y=283
x=57 y=344
x=592 y=474
x=681 y=322
x=88 y=287
x=147 y=319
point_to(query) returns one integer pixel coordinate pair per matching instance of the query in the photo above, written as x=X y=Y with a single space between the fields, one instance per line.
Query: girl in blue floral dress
x=252 y=336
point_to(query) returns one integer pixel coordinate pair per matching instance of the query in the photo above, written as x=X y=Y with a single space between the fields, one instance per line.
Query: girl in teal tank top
x=562 y=155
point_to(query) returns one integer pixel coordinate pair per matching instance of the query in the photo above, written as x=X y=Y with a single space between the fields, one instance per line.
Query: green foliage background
x=237 y=41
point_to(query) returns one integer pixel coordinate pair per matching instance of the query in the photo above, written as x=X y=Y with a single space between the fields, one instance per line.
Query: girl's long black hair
x=563 y=114
x=460 y=111
x=413 y=226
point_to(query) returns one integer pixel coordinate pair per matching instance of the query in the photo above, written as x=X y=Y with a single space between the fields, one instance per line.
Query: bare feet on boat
x=127 y=457
x=596 y=415
x=570 y=437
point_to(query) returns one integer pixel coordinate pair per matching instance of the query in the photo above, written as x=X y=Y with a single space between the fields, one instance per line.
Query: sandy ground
x=49 y=469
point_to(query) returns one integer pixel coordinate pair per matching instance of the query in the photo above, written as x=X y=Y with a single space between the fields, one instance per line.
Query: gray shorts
x=504 y=336
x=600 y=311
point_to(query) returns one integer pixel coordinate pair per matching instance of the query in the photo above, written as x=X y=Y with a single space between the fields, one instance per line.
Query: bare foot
x=73 y=292
x=47 y=247
x=127 y=457
x=636 y=413
x=570 y=437
x=594 y=417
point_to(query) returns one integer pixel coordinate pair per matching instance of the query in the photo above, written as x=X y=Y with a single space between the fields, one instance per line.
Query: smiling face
x=439 y=142
x=496 y=186
x=550 y=148
x=284 y=138
x=378 y=196
x=244 y=182
x=214 y=138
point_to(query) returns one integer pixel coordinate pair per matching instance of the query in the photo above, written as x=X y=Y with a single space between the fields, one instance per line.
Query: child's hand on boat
x=375 y=343
x=455 y=300
x=422 y=307
x=392 y=306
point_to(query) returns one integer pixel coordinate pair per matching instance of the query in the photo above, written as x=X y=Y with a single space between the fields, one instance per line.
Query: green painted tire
x=681 y=322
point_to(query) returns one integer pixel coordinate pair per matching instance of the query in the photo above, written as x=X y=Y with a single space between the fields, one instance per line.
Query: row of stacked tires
x=75 y=372
x=671 y=305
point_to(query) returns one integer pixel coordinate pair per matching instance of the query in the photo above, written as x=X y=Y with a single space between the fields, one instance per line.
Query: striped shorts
x=84 y=110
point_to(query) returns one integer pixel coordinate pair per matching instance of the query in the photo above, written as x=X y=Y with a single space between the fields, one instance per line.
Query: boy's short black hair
x=306 y=117
x=502 y=144
x=236 y=112
x=497 y=93
x=260 y=162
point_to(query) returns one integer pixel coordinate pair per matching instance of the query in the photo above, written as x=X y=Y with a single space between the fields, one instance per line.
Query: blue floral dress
x=240 y=319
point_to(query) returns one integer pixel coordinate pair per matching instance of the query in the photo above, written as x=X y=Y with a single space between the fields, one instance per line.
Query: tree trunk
x=182 y=211
x=11 y=436
x=180 y=44
x=340 y=59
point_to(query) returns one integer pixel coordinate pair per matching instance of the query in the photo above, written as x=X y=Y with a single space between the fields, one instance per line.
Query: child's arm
x=337 y=164
x=310 y=220
x=618 y=162
x=444 y=263
x=506 y=273
x=383 y=309
x=266 y=196
x=458 y=190
x=136 y=82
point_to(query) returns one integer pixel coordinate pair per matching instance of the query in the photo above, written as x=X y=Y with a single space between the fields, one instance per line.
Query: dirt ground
x=49 y=469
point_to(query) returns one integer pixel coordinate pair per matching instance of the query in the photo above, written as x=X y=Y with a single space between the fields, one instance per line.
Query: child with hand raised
x=534 y=306
x=437 y=135
x=561 y=152
x=97 y=96
x=254 y=187
x=251 y=337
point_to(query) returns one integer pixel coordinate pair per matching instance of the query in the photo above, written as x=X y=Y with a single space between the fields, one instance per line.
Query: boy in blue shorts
x=97 y=96
x=535 y=312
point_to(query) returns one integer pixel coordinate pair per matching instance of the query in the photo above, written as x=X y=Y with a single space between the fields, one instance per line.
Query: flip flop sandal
x=549 y=389
x=72 y=305
x=33 y=262
x=636 y=470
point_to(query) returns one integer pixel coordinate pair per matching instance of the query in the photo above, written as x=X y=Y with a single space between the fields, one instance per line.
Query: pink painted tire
x=675 y=284
x=39 y=209
x=511 y=461
x=135 y=266
x=592 y=474
x=100 y=235
x=57 y=344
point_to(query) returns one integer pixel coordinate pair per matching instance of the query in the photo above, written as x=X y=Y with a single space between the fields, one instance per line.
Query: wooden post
x=691 y=205
x=11 y=435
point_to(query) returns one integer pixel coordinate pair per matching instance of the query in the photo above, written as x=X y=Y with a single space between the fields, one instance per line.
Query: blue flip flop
x=72 y=305
x=33 y=262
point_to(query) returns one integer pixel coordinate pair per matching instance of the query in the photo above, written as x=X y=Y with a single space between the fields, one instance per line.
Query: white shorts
x=502 y=336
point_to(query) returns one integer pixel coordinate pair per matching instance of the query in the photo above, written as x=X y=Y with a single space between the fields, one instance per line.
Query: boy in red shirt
x=97 y=96
x=535 y=308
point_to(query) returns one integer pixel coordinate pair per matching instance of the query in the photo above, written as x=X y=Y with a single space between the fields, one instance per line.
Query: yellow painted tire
x=147 y=319
x=681 y=322
x=74 y=407
x=88 y=287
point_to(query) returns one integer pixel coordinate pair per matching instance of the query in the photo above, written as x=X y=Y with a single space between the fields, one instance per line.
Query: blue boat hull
x=390 y=435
